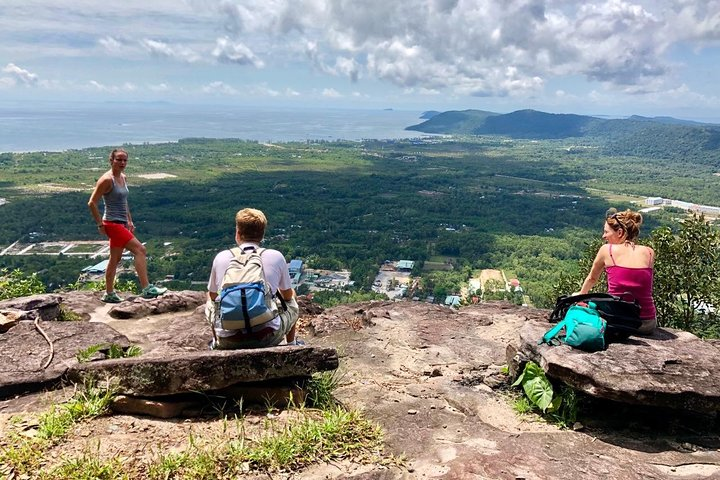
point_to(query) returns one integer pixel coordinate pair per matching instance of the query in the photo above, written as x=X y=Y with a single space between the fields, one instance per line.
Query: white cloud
x=111 y=45
x=344 y=66
x=160 y=87
x=263 y=91
x=289 y=92
x=501 y=48
x=331 y=93
x=101 y=87
x=422 y=91
x=448 y=48
x=695 y=21
x=20 y=75
x=218 y=87
x=165 y=50
x=227 y=51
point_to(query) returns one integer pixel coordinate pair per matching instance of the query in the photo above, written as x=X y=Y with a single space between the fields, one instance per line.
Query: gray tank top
x=116 y=203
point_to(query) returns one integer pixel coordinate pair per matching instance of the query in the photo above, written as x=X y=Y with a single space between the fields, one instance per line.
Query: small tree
x=687 y=276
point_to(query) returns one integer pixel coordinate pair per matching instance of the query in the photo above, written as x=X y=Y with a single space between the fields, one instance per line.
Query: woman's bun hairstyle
x=628 y=221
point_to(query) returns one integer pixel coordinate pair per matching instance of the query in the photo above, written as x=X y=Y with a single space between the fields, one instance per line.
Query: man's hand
x=131 y=227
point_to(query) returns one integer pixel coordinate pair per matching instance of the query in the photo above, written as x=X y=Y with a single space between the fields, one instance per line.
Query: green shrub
x=561 y=409
x=15 y=284
x=687 y=276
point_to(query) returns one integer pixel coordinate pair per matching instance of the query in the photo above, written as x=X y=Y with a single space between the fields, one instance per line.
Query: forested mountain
x=463 y=122
x=658 y=137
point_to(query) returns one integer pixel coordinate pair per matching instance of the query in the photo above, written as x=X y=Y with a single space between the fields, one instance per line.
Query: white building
x=681 y=204
x=653 y=201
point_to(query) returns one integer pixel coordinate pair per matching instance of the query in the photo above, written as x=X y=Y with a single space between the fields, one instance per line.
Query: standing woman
x=116 y=223
x=629 y=267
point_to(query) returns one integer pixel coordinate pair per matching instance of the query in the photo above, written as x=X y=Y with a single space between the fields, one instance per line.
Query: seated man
x=250 y=229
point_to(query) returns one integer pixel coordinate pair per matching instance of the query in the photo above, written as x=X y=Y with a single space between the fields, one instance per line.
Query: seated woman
x=629 y=267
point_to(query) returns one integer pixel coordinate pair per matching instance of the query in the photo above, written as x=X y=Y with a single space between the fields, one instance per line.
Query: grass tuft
x=88 y=467
x=67 y=315
x=91 y=402
x=321 y=389
x=113 y=351
x=24 y=455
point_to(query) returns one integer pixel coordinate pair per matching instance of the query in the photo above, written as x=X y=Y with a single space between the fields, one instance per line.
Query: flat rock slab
x=671 y=368
x=24 y=351
x=136 y=307
x=207 y=370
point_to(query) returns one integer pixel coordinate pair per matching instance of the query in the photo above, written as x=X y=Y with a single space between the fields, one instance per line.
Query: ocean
x=56 y=127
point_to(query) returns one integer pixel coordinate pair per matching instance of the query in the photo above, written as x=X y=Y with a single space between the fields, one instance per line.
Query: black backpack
x=622 y=313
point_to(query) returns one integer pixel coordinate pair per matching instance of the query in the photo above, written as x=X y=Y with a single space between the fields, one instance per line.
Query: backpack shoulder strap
x=590 y=296
x=237 y=253
x=566 y=301
x=283 y=303
x=550 y=334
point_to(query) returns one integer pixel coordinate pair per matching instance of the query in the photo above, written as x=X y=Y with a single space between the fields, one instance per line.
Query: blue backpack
x=584 y=329
x=246 y=299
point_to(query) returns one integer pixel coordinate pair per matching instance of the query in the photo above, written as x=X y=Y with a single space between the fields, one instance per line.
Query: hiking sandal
x=151 y=291
x=111 y=297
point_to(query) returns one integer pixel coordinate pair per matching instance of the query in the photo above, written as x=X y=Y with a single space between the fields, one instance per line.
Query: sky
x=613 y=57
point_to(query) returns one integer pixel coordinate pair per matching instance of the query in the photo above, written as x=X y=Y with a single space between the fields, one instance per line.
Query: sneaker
x=111 y=297
x=151 y=291
x=296 y=342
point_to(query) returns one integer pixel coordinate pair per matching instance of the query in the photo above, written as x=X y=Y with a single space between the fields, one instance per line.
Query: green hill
x=658 y=137
x=458 y=122
x=534 y=124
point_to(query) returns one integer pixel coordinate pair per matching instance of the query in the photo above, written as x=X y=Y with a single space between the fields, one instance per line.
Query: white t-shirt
x=276 y=274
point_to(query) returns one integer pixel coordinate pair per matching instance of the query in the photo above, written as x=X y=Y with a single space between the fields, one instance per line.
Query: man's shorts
x=118 y=234
x=267 y=339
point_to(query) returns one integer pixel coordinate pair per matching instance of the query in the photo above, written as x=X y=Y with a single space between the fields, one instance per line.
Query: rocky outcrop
x=208 y=370
x=671 y=368
x=45 y=306
x=428 y=375
x=433 y=379
x=136 y=307
x=24 y=351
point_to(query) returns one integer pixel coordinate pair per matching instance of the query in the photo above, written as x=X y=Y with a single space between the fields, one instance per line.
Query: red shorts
x=118 y=234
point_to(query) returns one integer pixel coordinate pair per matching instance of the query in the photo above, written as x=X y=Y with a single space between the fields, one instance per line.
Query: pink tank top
x=637 y=281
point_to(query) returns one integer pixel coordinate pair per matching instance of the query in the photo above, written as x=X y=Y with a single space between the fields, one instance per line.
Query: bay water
x=62 y=126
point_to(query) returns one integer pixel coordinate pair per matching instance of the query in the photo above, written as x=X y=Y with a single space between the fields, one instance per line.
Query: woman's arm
x=597 y=268
x=103 y=185
x=131 y=225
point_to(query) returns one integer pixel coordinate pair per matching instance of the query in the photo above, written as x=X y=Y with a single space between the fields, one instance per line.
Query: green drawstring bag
x=584 y=329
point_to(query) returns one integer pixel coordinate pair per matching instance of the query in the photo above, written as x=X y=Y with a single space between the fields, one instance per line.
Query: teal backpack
x=584 y=329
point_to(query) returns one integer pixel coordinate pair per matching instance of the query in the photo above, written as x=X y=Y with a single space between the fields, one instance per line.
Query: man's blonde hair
x=250 y=224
